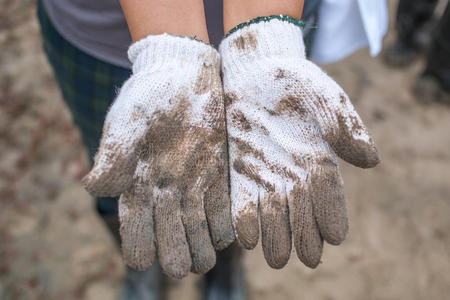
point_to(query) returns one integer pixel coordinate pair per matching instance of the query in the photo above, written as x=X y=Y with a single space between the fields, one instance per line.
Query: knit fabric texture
x=287 y=122
x=163 y=149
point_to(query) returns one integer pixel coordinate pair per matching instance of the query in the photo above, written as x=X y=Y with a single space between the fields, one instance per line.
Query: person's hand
x=164 y=150
x=287 y=120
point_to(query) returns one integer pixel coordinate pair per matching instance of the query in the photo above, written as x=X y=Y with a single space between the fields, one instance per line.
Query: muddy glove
x=287 y=120
x=164 y=149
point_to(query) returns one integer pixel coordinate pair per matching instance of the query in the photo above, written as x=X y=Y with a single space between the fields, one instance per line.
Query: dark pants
x=438 y=58
x=411 y=16
x=88 y=87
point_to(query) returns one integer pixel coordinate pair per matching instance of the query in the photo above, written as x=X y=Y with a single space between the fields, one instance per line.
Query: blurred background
x=53 y=245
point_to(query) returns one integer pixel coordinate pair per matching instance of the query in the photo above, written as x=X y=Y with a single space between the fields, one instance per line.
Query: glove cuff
x=158 y=51
x=259 y=39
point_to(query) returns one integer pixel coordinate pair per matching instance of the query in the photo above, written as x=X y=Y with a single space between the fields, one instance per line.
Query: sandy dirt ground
x=53 y=246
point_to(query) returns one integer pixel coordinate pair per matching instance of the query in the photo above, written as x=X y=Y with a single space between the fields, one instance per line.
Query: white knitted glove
x=286 y=122
x=164 y=149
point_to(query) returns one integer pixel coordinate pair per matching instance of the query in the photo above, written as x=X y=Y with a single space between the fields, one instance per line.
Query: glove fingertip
x=104 y=185
x=222 y=244
x=217 y=205
x=136 y=261
x=247 y=233
x=312 y=264
x=370 y=158
x=354 y=144
x=89 y=183
x=275 y=230
x=136 y=232
x=358 y=153
x=247 y=227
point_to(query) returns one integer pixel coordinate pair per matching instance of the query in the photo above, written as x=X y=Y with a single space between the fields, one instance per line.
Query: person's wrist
x=284 y=18
x=176 y=17
x=236 y=11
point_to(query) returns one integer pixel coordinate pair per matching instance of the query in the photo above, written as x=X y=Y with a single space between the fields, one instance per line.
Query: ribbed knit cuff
x=270 y=39
x=158 y=51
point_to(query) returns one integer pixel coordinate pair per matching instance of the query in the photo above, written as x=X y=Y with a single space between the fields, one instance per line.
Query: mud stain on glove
x=230 y=98
x=245 y=42
x=328 y=200
x=252 y=173
x=191 y=161
x=239 y=120
x=247 y=226
x=120 y=167
x=208 y=77
x=275 y=229
x=290 y=106
x=246 y=148
x=280 y=74
x=307 y=239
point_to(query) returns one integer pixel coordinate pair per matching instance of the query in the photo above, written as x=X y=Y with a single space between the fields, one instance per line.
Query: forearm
x=177 y=17
x=239 y=11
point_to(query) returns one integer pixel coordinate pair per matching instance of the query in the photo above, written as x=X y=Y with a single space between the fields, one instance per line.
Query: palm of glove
x=286 y=122
x=164 y=149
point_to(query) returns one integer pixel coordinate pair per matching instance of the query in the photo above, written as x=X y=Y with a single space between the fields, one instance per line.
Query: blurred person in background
x=418 y=29
x=86 y=44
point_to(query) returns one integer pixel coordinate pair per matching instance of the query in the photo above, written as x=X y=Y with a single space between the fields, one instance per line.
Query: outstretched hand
x=287 y=122
x=164 y=150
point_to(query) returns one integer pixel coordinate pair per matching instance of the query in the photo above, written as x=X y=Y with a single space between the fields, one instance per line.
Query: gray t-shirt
x=98 y=27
